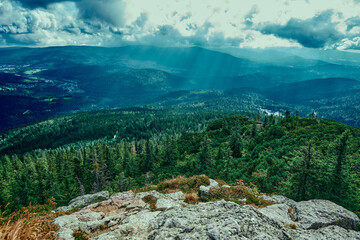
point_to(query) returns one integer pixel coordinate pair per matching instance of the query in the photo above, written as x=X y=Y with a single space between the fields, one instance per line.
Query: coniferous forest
x=296 y=156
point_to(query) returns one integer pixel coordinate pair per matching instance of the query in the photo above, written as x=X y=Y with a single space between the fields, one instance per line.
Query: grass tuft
x=30 y=223
x=151 y=200
x=191 y=198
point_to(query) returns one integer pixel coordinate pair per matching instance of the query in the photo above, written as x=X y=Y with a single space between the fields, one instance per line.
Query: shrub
x=181 y=183
x=240 y=191
x=191 y=198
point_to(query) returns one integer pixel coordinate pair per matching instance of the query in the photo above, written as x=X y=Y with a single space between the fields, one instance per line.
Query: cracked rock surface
x=128 y=215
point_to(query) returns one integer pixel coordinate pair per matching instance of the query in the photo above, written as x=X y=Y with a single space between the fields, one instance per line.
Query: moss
x=78 y=235
x=252 y=199
x=357 y=228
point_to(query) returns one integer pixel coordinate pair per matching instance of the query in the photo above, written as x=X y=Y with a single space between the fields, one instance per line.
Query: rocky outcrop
x=85 y=200
x=123 y=214
x=152 y=215
x=215 y=220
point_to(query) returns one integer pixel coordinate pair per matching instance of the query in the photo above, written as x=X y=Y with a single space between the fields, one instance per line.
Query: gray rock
x=126 y=216
x=66 y=234
x=166 y=203
x=176 y=195
x=204 y=191
x=279 y=213
x=279 y=199
x=315 y=214
x=134 y=227
x=85 y=200
x=90 y=216
x=67 y=221
x=215 y=220
x=326 y=233
x=67 y=225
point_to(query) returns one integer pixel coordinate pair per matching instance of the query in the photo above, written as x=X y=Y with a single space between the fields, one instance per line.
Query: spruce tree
x=236 y=144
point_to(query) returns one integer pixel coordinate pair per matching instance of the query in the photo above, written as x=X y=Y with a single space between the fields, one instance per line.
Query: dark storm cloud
x=39 y=3
x=107 y=11
x=316 y=32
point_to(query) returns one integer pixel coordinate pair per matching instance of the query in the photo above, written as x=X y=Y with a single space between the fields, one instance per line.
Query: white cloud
x=211 y=23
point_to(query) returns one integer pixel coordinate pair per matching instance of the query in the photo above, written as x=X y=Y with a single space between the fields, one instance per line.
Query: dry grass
x=191 y=198
x=190 y=186
x=30 y=223
x=180 y=183
x=291 y=214
x=184 y=184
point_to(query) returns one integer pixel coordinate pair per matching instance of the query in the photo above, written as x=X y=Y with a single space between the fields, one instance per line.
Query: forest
x=296 y=156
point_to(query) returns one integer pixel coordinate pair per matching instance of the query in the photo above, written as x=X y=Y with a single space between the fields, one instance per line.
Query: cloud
x=250 y=15
x=316 y=32
x=212 y=23
x=39 y=3
x=108 y=11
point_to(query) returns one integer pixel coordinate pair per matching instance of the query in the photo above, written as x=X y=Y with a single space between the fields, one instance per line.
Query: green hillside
x=302 y=158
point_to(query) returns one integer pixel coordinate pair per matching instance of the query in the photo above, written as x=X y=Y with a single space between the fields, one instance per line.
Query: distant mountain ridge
x=312 y=89
x=57 y=80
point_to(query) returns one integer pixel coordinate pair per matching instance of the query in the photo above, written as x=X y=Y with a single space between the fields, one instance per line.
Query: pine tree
x=236 y=144
x=339 y=179
x=171 y=154
x=287 y=115
x=304 y=171
x=205 y=152
x=254 y=129
x=149 y=157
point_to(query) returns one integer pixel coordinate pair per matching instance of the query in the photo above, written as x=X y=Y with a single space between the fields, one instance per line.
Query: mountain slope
x=313 y=89
x=60 y=80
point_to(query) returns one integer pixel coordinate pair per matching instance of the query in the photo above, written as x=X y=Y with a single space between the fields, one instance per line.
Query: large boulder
x=85 y=200
x=315 y=214
x=215 y=220
x=125 y=214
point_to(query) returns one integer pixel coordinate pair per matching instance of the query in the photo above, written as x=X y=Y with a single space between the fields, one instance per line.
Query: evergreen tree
x=339 y=179
x=205 y=152
x=236 y=144
x=149 y=157
x=171 y=154
x=253 y=129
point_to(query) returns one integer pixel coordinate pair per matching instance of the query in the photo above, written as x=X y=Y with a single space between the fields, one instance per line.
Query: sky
x=320 y=24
